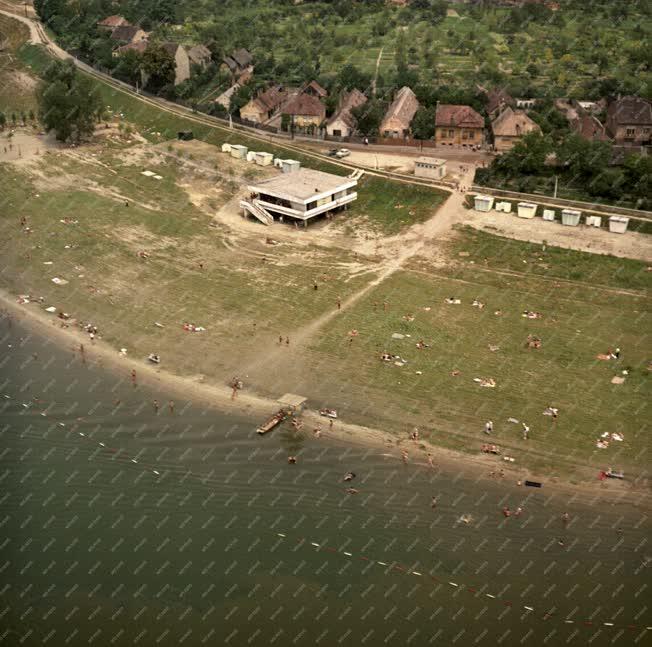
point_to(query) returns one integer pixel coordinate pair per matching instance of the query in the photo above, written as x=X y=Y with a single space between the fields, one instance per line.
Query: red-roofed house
x=305 y=111
x=316 y=90
x=457 y=125
x=261 y=108
x=111 y=22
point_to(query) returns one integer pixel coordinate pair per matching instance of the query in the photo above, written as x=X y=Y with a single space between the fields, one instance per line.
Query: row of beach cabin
x=568 y=217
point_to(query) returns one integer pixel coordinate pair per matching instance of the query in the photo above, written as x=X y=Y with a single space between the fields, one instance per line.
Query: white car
x=342 y=152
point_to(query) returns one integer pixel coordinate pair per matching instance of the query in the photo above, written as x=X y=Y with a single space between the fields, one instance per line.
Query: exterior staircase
x=258 y=211
x=357 y=174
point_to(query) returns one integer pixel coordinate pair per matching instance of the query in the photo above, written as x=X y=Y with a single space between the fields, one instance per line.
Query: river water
x=122 y=525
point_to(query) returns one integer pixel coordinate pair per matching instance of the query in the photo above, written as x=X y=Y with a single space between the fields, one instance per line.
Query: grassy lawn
x=452 y=410
x=389 y=207
x=497 y=252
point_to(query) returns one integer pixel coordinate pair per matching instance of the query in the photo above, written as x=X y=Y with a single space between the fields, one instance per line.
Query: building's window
x=471 y=135
x=629 y=132
x=451 y=133
x=646 y=131
x=337 y=133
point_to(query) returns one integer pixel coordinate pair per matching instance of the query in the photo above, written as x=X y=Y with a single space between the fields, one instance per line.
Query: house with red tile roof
x=458 y=125
x=111 y=22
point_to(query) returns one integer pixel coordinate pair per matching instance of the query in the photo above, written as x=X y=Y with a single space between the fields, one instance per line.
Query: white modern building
x=301 y=195
x=430 y=167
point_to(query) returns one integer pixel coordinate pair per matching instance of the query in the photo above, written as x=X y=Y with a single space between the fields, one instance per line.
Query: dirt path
x=373 y=83
x=396 y=251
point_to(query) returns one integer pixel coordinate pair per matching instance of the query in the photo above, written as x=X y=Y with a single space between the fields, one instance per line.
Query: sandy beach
x=255 y=407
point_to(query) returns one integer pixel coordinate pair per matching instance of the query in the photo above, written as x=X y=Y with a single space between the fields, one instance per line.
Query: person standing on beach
x=156 y=406
x=133 y=376
x=488 y=427
x=171 y=407
x=287 y=341
x=280 y=339
x=526 y=431
x=339 y=303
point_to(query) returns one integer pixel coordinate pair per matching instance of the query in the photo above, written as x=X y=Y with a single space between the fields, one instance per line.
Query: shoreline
x=251 y=405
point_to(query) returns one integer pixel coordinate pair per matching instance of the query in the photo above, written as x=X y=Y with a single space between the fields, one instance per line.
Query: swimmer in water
x=518 y=512
x=292 y=460
x=349 y=476
x=351 y=490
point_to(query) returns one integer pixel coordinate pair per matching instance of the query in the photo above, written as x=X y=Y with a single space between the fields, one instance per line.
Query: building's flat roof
x=437 y=161
x=302 y=185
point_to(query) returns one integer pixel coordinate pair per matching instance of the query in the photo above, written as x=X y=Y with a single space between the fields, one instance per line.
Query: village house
x=181 y=61
x=629 y=121
x=397 y=119
x=239 y=61
x=200 y=56
x=111 y=22
x=304 y=111
x=138 y=47
x=457 y=125
x=430 y=167
x=589 y=127
x=128 y=34
x=302 y=194
x=176 y=51
x=261 y=108
x=313 y=88
x=343 y=123
x=509 y=127
x=497 y=101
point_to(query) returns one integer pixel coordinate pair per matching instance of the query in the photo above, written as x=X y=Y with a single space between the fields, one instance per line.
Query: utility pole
x=556 y=179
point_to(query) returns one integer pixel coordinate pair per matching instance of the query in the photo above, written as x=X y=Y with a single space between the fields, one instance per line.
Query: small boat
x=533 y=484
x=272 y=422
x=614 y=475
x=155 y=359
x=329 y=413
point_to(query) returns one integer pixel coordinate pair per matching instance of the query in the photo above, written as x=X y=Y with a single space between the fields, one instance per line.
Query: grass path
x=373 y=83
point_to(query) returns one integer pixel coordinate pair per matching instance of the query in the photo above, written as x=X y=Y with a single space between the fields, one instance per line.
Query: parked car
x=342 y=152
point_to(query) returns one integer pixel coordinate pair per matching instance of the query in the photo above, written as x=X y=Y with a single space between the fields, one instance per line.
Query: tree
x=584 y=159
x=369 y=116
x=128 y=67
x=3 y=120
x=528 y=156
x=350 y=77
x=69 y=103
x=158 y=66
x=423 y=124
